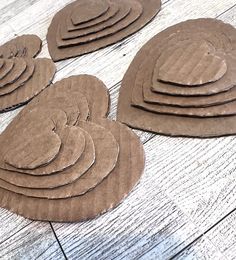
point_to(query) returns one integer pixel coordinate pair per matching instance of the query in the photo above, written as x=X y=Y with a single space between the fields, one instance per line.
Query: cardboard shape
x=74 y=104
x=191 y=64
x=33 y=138
x=193 y=101
x=150 y=9
x=17 y=70
x=169 y=124
x=72 y=147
x=125 y=20
x=6 y=68
x=111 y=12
x=25 y=76
x=123 y=12
x=106 y=154
x=22 y=46
x=87 y=10
x=67 y=176
x=90 y=87
x=105 y=196
x=42 y=77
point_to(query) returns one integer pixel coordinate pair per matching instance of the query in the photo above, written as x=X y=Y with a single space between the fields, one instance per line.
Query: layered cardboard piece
x=92 y=167
x=21 y=76
x=122 y=18
x=22 y=46
x=175 y=114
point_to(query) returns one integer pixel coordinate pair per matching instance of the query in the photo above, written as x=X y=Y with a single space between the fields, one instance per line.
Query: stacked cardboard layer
x=183 y=82
x=21 y=76
x=62 y=160
x=88 y=25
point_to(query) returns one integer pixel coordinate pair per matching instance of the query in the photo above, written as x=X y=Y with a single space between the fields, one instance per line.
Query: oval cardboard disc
x=41 y=78
x=6 y=69
x=67 y=176
x=123 y=12
x=21 y=80
x=131 y=17
x=18 y=69
x=73 y=145
x=190 y=64
x=28 y=45
x=87 y=10
x=107 y=195
x=111 y=12
x=149 y=11
x=106 y=154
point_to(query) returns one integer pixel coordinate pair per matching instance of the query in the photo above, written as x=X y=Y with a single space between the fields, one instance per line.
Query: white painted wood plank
x=9 y=9
x=24 y=239
x=203 y=249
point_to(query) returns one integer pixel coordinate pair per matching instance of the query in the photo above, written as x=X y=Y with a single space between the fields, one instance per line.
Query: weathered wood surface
x=183 y=207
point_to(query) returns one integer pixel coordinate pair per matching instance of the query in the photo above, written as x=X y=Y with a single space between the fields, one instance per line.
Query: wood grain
x=183 y=206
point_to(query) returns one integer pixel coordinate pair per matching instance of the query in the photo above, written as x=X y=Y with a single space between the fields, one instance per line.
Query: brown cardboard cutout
x=42 y=77
x=124 y=11
x=72 y=148
x=195 y=63
x=111 y=12
x=67 y=176
x=22 y=46
x=106 y=154
x=96 y=94
x=6 y=68
x=107 y=195
x=17 y=70
x=21 y=80
x=125 y=20
x=150 y=9
x=87 y=10
x=168 y=124
x=34 y=139
x=193 y=101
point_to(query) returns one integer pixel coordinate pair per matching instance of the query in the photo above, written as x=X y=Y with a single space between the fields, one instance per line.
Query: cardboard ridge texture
x=90 y=163
x=109 y=21
x=22 y=77
x=182 y=82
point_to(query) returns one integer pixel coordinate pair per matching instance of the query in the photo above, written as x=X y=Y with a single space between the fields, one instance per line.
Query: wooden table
x=185 y=204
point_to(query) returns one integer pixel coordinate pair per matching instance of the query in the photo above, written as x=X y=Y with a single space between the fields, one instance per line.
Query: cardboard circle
x=123 y=12
x=87 y=10
x=111 y=12
x=25 y=76
x=107 y=195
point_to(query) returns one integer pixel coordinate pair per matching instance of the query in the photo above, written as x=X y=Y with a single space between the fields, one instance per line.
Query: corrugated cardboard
x=150 y=9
